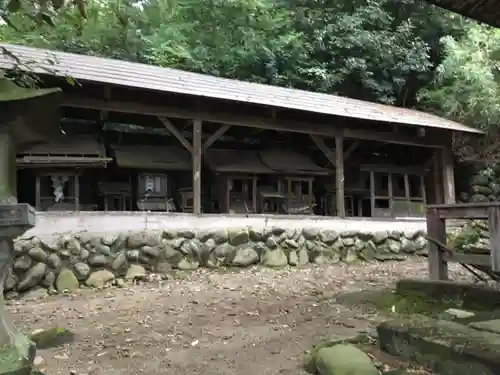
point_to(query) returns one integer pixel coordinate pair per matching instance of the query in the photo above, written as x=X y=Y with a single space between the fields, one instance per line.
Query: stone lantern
x=27 y=116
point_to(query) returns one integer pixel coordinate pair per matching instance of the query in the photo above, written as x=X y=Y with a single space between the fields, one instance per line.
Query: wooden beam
x=324 y=148
x=218 y=133
x=196 y=156
x=249 y=121
x=172 y=129
x=339 y=175
x=354 y=145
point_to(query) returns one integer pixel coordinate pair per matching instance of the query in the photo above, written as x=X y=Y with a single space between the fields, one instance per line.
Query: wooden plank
x=324 y=149
x=172 y=129
x=436 y=228
x=461 y=211
x=250 y=121
x=354 y=145
x=494 y=227
x=448 y=176
x=196 y=155
x=339 y=175
x=214 y=137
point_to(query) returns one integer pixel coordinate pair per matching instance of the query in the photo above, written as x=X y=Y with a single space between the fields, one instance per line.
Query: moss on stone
x=447 y=347
x=52 y=337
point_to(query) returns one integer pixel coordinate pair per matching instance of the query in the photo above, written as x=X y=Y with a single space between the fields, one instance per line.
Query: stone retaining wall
x=66 y=262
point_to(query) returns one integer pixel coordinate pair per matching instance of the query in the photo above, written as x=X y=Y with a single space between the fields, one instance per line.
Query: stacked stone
x=67 y=262
x=473 y=237
x=485 y=187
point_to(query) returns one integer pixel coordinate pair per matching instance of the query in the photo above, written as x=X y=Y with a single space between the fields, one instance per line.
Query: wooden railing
x=439 y=254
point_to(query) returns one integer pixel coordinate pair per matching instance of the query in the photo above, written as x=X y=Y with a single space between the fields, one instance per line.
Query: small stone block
x=459 y=314
x=492 y=326
x=445 y=347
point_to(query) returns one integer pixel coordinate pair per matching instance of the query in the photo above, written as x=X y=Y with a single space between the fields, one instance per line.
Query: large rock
x=238 y=236
x=66 y=281
x=136 y=272
x=245 y=256
x=344 y=359
x=34 y=275
x=274 y=258
x=99 y=279
x=82 y=270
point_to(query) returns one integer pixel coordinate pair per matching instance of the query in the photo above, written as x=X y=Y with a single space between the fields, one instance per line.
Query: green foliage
x=466 y=85
x=380 y=50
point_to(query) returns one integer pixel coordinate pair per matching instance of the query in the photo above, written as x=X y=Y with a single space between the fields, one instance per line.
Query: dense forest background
x=405 y=53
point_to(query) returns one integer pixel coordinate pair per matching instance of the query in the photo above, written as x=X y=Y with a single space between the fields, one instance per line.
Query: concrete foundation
x=52 y=223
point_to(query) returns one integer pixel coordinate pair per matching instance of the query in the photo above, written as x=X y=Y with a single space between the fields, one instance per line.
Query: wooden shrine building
x=140 y=137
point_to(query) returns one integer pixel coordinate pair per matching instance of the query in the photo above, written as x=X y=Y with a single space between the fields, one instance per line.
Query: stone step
x=472 y=296
x=445 y=347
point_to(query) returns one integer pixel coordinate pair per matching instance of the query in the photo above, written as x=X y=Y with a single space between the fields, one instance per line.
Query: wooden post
x=437 y=178
x=196 y=156
x=390 y=192
x=77 y=193
x=339 y=175
x=310 y=193
x=254 y=194
x=436 y=229
x=494 y=226
x=407 y=193
x=372 y=193
x=448 y=176
x=38 y=192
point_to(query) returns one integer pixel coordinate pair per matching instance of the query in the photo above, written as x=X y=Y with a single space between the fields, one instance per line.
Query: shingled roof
x=149 y=77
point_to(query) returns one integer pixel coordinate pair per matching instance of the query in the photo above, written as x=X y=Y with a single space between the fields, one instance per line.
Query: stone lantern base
x=17 y=352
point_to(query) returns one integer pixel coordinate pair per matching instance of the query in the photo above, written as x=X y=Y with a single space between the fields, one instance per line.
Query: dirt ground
x=250 y=321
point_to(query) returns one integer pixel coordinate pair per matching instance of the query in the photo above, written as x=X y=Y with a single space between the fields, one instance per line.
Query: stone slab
x=492 y=326
x=445 y=347
x=473 y=297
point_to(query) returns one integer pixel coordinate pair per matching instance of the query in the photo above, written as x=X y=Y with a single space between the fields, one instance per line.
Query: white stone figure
x=58 y=183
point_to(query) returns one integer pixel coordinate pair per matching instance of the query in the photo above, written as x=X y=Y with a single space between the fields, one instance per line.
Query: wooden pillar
x=494 y=227
x=390 y=179
x=372 y=193
x=437 y=177
x=436 y=229
x=254 y=194
x=38 y=192
x=339 y=175
x=448 y=175
x=77 y=193
x=8 y=171
x=196 y=156
x=407 y=194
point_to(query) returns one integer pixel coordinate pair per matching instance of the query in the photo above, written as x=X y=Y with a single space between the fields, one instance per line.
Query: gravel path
x=251 y=321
